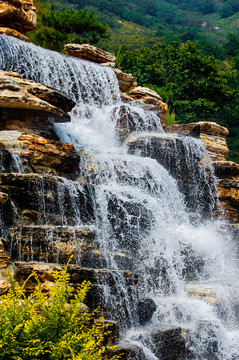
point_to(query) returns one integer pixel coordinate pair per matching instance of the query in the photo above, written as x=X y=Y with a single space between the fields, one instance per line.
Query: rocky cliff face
x=17 y=17
x=227 y=172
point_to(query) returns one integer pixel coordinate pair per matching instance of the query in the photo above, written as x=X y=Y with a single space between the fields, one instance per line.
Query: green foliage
x=56 y=28
x=170 y=118
x=196 y=87
x=44 y=327
x=231 y=46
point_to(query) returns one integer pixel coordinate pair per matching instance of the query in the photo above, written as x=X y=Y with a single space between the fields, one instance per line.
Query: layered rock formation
x=90 y=53
x=17 y=17
x=29 y=106
x=150 y=101
x=227 y=172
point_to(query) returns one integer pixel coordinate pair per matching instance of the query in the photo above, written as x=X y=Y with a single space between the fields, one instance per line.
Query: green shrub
x=44 y=327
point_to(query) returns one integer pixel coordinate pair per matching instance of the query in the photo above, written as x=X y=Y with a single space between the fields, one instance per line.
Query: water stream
x=186 y=264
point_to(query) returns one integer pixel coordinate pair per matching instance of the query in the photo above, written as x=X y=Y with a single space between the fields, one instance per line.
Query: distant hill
x=182 y=20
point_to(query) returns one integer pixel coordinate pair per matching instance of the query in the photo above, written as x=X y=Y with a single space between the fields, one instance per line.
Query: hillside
x=167 y=20
x=195 y=86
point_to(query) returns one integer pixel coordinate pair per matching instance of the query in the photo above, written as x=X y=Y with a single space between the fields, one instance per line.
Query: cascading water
x=142 y=222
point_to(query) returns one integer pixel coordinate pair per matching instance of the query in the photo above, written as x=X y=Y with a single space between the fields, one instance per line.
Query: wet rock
x=145 y=309
x=214 y=139
x=100 y=279
x=170 y=344
x=3 y=198
x=126 y=351
x=226 y=169
x=111 y=332
x=127 y=82
x=212 y=135
x=128 y=120
x=98 y=259
x=39 y=154
x=89 y=52
x=229 y=198
x=30 y=106
x=151 y=101
x=17 y=17
x=4 y=258
x=35 y=198
x=49 y=244
x=183 y=160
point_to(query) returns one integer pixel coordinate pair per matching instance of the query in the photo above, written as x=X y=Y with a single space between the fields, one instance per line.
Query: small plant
x=170 y=118
x=46 y=327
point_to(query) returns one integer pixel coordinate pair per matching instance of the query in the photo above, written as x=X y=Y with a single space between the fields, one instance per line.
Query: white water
x=140 y=212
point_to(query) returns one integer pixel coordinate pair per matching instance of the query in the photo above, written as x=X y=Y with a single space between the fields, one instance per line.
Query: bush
x=45 y=327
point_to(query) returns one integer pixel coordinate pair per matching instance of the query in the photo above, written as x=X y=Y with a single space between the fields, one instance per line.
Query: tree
x=55 y=28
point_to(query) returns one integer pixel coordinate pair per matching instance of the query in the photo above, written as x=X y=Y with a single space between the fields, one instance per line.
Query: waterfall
x=186 y=264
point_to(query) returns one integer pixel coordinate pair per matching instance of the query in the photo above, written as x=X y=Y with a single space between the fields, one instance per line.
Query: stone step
x=105 y=284
x=57 y=243
x=44 y=199
x=49 y=243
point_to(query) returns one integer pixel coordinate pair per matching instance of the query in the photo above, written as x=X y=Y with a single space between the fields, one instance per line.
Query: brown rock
x=214 y=139
x=229 y=198
x=49 y=243
x=3 y=198
x=4 y=258
x=19 y=93
x=151 y=101
x=39 y=154
x=212 y=135
x=14 y=33
x=18 y=15
x=141 y=92
x=29 y=106
x=226 y=169
x=89 y=52
x=97 y=277
x=127 y=82
x=44 y=199
x=4 y=286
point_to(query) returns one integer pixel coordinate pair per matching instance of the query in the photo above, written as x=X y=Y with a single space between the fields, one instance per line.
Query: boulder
x=127 y=82
x=39 y=154
x=145 y=309
x=89 y=52
x=151 y=100
x=212 y=135
x=17 y=17
x=30 y=106
x=14 y=33
x=142 y=92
